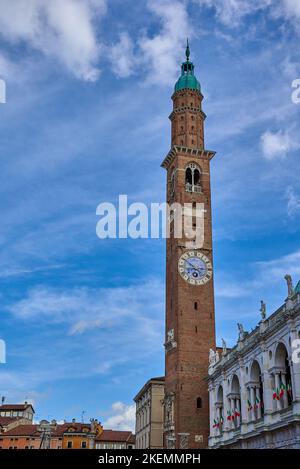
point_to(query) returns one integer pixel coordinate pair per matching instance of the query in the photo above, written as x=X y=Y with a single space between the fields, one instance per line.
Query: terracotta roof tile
x=23 y=430
x=115 y=435
x=7 y=420
x=15 y=406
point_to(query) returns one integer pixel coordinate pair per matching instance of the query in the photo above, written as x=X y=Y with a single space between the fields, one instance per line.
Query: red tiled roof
x=6 y=420
x=58 y=431
x=15 y=406
x=23 y=430
x=131 y=439
x=63 y=428
x=115 y=435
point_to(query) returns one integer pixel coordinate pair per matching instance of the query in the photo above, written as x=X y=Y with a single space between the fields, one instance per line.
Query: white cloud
x=62 y=29
x=83 y=326
x=84 y=309
x=162 y=53
x=276 y=144
x=159 y=54
x=122 y=418
x=276 y=269
x=289 y=9
x=293 y=202
x=7 y=68
x=122 y=56
x=231 y=290
x=230 y=12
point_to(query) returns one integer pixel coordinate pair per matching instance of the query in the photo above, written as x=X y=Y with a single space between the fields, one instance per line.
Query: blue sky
x=86 y=119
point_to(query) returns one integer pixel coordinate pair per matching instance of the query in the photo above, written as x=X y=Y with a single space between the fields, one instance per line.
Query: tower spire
x=187 y=51
x=187 y=78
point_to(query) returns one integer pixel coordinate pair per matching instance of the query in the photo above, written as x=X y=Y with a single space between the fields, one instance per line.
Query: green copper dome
x=187 y=79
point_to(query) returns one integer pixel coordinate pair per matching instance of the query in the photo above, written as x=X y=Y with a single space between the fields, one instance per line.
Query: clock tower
x=190 y=321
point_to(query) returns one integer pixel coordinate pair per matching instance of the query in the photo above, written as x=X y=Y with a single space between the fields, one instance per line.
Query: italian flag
x=221 y=420
x=229 y=417
x=257 y=402
x=216 y=424
x=249 y=405
x=282 y=389
x=236 y=413
x=289 y=388
x=276 y=394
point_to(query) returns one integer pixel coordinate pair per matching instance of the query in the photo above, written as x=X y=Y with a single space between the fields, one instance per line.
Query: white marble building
x=255 y=387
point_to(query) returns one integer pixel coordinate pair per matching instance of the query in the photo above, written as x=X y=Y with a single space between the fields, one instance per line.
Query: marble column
x=295 y=362
x=258 y=408
x=233 y=411
x=244 y=396
x=226 y=401
x=284 y=397
x=252 y=400
x=277 y=388
x=211 y=410
x=238 y=408
x=219 y=419
x=268 y=393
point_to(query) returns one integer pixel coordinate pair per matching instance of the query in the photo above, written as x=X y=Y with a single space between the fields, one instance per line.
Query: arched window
x=283 y=394
x=255 y=393
x=192 y=178
x=219 y=411
x=234 y=403
x=189 y=176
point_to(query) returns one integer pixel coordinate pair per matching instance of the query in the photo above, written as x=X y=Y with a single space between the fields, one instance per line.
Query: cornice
x=196 y=153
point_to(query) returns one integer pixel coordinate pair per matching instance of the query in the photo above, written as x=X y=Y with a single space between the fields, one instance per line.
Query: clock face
x=195 y=268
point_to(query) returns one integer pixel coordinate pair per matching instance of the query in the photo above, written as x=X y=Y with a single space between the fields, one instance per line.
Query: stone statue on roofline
x=224 y=347
x=211 y=357
x=242 y=333
x=263 y=310
x=289 y=282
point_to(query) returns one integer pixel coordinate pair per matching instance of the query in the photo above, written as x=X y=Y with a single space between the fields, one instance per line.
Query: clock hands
x=196 y=268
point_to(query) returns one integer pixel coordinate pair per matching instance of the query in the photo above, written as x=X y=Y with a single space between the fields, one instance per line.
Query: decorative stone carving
x=211 y=358
x=170 y=342
x=170 y=440
x=289 y=282
x=183 y=440
x=263 y=310
x=169 y=406
x=224 y=346
x=242 y=333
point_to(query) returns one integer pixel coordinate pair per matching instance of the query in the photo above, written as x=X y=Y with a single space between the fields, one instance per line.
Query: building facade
x=77 y=435
x=255 y=387
x=190 y=321
x=115 y=439
x=17 y=411
x=50 y=435
x=150 y=414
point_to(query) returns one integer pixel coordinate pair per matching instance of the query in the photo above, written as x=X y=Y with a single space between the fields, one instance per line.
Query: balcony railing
x=193 y=188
